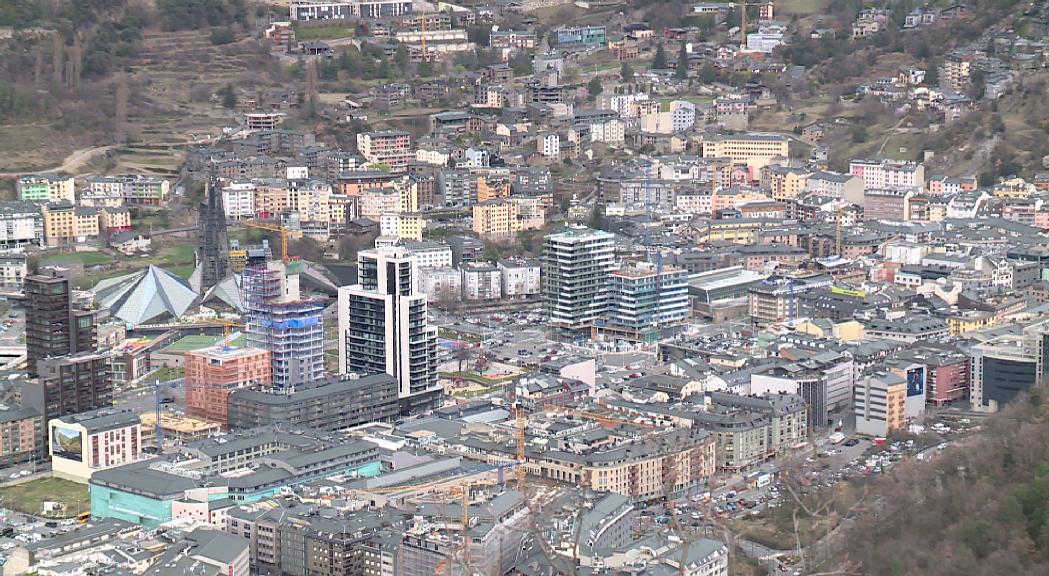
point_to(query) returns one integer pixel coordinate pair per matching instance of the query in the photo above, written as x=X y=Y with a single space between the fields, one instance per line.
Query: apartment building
x=69 y=224
x=883 y=174
x=213 y=373
x=662 y=465
x=20 y=225
x=392 y=148
x=429 y=254
x=69 y=385
x=133 y=189
x=402 y=226
x=21 y=432
x=520 y=278
x=279 y=319
x=311 y=199
x=783 y=182
x=481 y=281
x=576 y=265
x=646 y=302
x=335 y=403
x=45 y=188
x=880 y=404
x=114 y=219
x=496 y=219
x=383 y=328
x=239 y=203
x=13 y=270
x=750 y=430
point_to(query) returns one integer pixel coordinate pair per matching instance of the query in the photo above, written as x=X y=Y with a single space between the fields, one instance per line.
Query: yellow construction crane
x=273 y=228
x=227 y=328
x=599 y=417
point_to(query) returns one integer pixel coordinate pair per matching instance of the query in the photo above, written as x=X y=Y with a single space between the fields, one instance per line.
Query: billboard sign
x=67 y=443
x=915 y=382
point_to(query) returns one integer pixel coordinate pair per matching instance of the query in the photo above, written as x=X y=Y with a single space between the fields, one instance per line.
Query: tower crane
x=273 y=228
x=521 y=421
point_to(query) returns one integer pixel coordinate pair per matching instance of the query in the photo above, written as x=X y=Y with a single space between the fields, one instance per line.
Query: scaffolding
x=292 y=330
x=212 y=240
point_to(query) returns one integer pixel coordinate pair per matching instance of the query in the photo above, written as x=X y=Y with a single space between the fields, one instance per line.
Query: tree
x=597 y=216
x=594 y=87
x=997 y=124
x=425 y=69
x=229 y=97
x=977 y=84
x=463 y=354
x=681 y=69
x=401 y=57
x=221 y=36
x=859 y=133
x=707 y=74
x=626 y=73
x=932 y=75
x=659 y=61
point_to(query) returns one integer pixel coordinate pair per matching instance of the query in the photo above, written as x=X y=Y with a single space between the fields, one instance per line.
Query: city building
x=753 y=150
x=481 y=281
x=133 y=189
x=646 y=302
x=46 y=188
x=402 y=226
x=880 y=404
x=392 y=148
x=53 y=326
x=69 y=385
x=576 y=265
x=82 y=444
x=520 y=279
x=20 y=225
x=888 y=174
x=280 y=320
x=65 y=223
x=1002 y=369
x=212 y=374
x=21 y=433
x=254 y=465
x=383 y=327
x=336 y=403
x=496 y=219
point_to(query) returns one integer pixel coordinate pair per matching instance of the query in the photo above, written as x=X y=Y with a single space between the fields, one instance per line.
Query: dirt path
x=74 y=161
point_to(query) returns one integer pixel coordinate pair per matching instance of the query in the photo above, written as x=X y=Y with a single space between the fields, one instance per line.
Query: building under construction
x=278 y=319
x=212 y=243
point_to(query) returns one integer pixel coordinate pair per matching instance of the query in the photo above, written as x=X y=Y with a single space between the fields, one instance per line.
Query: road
x=71 y=164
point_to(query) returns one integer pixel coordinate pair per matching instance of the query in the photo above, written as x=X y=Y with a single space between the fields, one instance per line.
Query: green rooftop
x=198 y=341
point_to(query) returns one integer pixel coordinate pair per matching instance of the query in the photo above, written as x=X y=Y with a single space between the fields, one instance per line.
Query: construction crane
x=743 y=25
x=837 y=230
x=273 y=228
x=157 y=385
x=520 y=413
x=600 y=418
x=422 y=37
